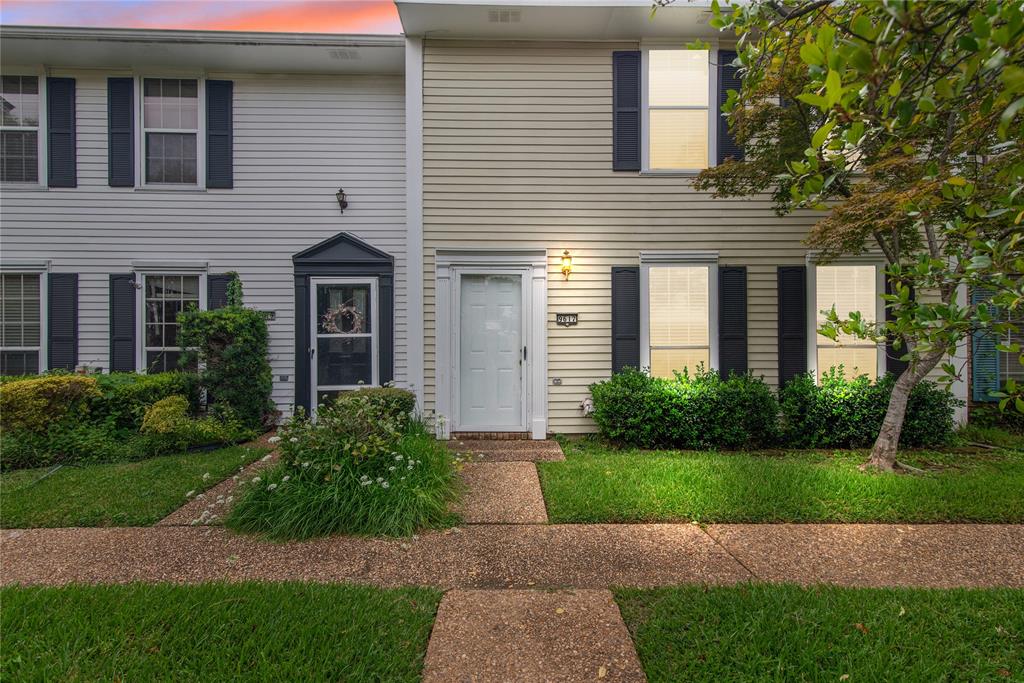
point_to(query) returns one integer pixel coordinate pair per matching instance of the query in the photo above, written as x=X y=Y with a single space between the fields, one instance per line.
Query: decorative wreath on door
x=344 y=318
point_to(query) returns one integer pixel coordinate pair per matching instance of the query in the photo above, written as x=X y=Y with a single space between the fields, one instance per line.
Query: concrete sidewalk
x=533 y=556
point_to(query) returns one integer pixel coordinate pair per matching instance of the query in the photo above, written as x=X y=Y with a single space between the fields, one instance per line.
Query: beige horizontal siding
x=517 y=151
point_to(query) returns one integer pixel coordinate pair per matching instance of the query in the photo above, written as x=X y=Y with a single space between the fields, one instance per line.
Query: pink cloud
x=314 y=16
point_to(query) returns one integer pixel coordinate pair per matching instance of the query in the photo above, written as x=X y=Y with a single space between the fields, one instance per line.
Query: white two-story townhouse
x=139 y=169
x=561 y=236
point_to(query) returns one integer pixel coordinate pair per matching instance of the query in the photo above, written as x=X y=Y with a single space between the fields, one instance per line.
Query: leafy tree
x=902 y=120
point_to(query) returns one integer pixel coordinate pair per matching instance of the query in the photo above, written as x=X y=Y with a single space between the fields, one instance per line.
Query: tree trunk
x=883 y=454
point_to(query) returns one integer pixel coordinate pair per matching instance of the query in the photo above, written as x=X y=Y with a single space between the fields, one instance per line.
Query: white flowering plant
x=355 y=469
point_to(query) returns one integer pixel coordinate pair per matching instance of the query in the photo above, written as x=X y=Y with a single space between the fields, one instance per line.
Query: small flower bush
x=848 y=413
x=170 y=428
x=357 y=469
x=699 y=412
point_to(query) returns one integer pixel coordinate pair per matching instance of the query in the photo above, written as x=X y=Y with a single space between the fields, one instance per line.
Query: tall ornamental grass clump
x=847 y=413
x=702 y=411
x=358 y=469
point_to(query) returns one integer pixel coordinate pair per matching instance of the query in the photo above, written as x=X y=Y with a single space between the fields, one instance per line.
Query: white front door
x=491 y=353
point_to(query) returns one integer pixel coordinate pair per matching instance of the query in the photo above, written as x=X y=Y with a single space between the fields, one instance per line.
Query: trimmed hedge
x=848 y=413
x=36 y=403
x=127 y=395
x=700 y=412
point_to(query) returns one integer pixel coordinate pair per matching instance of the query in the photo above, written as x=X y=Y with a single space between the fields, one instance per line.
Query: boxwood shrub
x=699 y=412
x=127 y=395
x=847 y=413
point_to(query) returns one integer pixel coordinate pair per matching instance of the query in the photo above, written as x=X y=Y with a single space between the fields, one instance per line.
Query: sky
x=307 y=16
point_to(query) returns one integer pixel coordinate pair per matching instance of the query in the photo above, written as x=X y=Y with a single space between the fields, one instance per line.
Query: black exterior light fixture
x=342 y=199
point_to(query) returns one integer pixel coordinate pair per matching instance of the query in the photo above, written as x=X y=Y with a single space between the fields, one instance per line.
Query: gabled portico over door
x=491 y=342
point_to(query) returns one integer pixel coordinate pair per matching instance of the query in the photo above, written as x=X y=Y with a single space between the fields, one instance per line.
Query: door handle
x=524 y=353
x=312 y=351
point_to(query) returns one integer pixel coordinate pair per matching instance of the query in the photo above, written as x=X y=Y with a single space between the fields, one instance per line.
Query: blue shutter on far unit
x=219 y=132
x=121 y=132
x=984 y=357
x=626 y=110
x=61 y=168
x=728 y=79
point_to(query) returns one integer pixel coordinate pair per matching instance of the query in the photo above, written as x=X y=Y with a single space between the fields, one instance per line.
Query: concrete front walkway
x=533 y=556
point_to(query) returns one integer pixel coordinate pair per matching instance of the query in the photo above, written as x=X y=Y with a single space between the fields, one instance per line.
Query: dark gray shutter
x=732 y=320
x=792 y=322
x=121 y=132
x=984 y=357
x=386 y=362
x=625 y=317
x=728 y=79
x=62 y=321
x=303 y=343
x=122 y=323
x=893 y=364
x=219 y=132
x=61 y=163
x=626 y=110
x=217 y=290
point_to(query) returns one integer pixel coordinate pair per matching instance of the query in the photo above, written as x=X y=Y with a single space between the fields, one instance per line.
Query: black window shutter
x=386 y=360
x=121 y=132
x=303 y=343
x=792 y=322
x=217 y=290
x=62 y=321
x=728 y=79
x=219 y=132
x=625 y=317
x=61 y=161
x=732 y=320
x=893 y=364
x=626 y=110
x=122 y=323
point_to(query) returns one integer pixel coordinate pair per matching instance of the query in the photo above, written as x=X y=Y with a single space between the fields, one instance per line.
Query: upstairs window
x=19 y=132
x=676 y=116
x=170 y=128
x=848 y=288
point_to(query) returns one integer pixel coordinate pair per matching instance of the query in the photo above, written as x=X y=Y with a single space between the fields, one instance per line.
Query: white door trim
x=532 y=261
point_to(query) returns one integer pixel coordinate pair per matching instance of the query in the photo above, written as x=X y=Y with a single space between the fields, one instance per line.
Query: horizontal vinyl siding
x=297 y=139
x=518 y=151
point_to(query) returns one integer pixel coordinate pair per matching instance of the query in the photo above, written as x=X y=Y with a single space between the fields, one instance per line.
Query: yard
x=116 y=494
x=600 y=484
x=284 y=632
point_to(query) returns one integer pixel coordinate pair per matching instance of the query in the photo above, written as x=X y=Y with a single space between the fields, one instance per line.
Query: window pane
x=19 y=312
x=343 y=309
x=170 y=158
x=856 y=361
x=677 y=78
x=664 y=361
x=344 y=361
x=678 y=138
x=19 y=362
x=19 y=156
x=19 y=98
x=849 y=288
x=679 y=306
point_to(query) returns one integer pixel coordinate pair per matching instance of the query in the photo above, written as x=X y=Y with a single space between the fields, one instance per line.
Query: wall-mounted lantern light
x=342 y=199
x=566 y=264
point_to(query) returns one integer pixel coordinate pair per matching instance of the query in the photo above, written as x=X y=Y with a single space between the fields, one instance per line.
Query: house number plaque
x=567 y=319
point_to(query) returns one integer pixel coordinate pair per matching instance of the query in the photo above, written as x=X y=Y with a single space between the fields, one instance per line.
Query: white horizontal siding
x=517 y=151
x=297 y=139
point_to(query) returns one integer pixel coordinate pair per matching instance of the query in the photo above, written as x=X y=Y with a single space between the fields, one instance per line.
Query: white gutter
x=134 y=35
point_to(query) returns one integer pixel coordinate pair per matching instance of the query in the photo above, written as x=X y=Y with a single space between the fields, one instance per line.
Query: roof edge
x=180 y=36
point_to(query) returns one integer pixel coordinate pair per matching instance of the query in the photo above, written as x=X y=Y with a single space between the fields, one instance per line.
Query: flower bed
x=361 y=468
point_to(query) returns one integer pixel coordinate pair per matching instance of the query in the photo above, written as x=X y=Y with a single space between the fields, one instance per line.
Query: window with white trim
x=677 y=117
x=1009 y=361
x=849 y=288
x=164 y=298
x=678 y=318
x=170 y=131
x=21 y=325
x=19 y=129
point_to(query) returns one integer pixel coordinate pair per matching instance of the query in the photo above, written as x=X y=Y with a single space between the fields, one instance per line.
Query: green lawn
x=597 y=484
x=787 y=633
x=215 y=632
x=123 y=494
